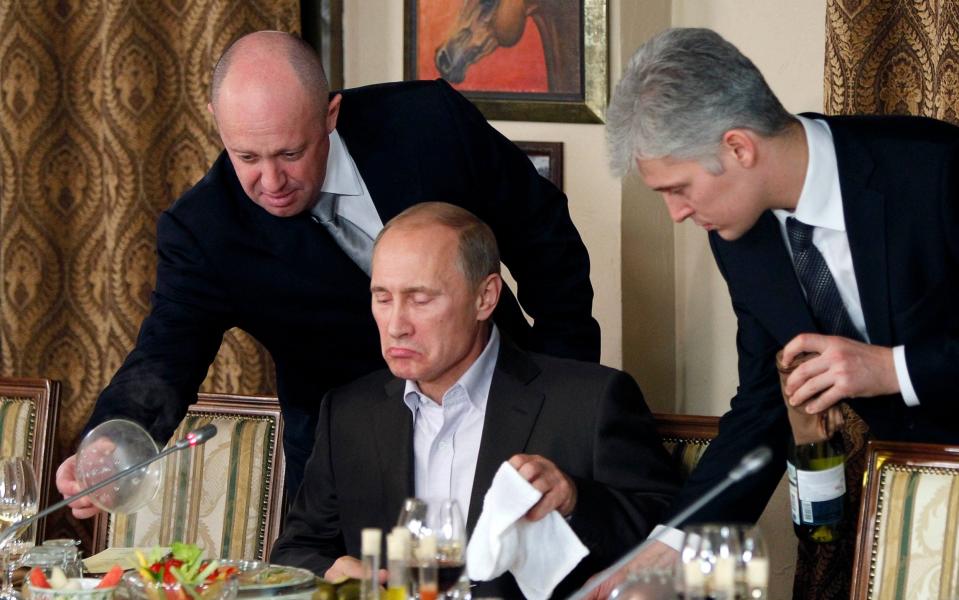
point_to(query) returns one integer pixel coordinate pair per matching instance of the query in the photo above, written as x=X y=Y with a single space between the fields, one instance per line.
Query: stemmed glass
x=18 y=500
x=442 y=520
x=445 y=519
x=709 y=561
x=754 y=564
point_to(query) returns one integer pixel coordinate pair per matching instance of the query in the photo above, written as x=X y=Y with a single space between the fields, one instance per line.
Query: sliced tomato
x=38 y=579
x=112 y=578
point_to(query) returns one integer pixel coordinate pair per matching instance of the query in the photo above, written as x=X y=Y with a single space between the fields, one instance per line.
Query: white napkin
x=539 y=554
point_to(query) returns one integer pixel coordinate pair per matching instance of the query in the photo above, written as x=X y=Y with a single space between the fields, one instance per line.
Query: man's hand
x=68 y=485
x=655 y=556
x=844 y=369
x=559 y=491
x=347 y=566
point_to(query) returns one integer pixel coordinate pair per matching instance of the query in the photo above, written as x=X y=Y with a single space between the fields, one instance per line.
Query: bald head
x=275 y=59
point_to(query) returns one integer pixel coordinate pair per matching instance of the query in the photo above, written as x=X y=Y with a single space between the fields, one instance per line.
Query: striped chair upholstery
x=28 y=420
x=909 y=523
x=225 y=496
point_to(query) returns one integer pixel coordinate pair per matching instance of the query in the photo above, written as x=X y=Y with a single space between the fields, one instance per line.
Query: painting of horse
x=502 y=46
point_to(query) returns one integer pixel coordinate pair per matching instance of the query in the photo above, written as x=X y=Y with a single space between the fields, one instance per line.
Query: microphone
x=196 y=437
x=193 y=438
x=753 y=461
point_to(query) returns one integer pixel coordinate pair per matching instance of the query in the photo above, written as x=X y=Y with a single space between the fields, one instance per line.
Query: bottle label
x=793 y=493
x=819 y=495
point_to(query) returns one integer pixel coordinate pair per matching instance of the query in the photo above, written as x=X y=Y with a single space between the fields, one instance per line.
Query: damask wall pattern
x=103 y=123
x=892 y=57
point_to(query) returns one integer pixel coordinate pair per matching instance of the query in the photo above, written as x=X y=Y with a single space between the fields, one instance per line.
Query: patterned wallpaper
x=103 y=123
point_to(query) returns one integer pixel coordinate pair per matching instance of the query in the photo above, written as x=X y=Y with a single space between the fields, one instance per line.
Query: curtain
x=103 y=124
x=882 y=57
x=892 y=57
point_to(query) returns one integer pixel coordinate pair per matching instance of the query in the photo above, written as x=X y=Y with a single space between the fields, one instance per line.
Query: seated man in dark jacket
x=458 y=400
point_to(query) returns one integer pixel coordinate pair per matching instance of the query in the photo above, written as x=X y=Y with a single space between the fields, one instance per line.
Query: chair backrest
x=226 y=495
x=686 y=437
x=28 y=421
x=906 y=545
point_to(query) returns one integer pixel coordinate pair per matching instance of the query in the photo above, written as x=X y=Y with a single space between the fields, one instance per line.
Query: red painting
x=498 y=46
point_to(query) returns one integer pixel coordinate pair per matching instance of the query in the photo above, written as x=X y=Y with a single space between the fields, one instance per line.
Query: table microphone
x=748 y=465
x=193 y=438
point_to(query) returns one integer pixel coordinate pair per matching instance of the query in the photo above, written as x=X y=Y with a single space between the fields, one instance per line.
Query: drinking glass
x=445 y=519
x=18 y=500
x=754 y=563
x=707 y=566
x=442 y=520
x=112 y=447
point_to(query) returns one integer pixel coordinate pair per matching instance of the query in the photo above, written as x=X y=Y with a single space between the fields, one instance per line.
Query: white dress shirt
x=343 y=179
x=820 y=205
x=446 y=436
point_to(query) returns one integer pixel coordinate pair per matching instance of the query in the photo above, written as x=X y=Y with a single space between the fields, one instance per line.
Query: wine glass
x=412 y=516
x=754 y=563
x=18 y=501
x=444 y=520
x=708 y=562
x=112 y=447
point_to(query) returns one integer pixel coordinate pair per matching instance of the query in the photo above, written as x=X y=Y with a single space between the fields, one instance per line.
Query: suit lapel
x=511 y=412
x=393 y=436
x=761 y=275
x=865 y=214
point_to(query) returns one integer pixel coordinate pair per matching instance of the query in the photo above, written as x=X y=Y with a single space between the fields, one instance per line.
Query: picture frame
x=547 y=157
x=555 y=68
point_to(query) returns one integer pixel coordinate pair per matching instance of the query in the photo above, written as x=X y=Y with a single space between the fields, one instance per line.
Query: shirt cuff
x=902 y=374
x=669 y=536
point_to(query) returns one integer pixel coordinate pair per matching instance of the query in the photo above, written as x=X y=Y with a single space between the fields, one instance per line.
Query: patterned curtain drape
x=103 y=123
x=892 y=57
x=882 y=57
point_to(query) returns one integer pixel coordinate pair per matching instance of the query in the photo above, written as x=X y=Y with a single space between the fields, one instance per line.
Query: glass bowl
x=110 y=448
x=137 y=588
x=87 y=591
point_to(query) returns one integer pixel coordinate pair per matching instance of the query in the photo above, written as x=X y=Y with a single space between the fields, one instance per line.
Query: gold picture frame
x=586 y=104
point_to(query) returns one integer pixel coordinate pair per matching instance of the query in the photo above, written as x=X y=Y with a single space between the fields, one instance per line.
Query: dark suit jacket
x=224 y=262
x=588 y=419
x=899 y=178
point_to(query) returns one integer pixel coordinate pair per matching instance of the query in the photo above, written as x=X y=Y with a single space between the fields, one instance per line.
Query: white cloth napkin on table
x=539 y=554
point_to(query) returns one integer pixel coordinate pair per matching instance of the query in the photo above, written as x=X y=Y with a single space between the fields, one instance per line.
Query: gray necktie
x=348 y=236
x=821 y=291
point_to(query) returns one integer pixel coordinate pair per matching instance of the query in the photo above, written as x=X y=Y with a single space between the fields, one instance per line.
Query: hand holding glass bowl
x=111 y=448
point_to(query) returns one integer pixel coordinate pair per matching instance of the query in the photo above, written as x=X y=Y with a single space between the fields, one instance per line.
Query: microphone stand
x=194 y=438
x=750 y=463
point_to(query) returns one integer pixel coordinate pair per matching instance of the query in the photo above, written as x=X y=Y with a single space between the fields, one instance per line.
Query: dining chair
x=226 y=495
x=906 y=545
x=686 y=438
x=28 y=422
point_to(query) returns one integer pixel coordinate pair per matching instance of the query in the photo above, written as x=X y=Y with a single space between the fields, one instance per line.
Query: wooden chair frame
x=230 y=404
x=880 y=454
x=686 y=427
x=45 y=394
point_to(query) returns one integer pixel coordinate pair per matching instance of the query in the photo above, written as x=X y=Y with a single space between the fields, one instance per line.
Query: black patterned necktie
x=357 y=244
x=821 y=291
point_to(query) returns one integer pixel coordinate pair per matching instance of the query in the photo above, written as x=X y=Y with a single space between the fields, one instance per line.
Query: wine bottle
x=817 y=488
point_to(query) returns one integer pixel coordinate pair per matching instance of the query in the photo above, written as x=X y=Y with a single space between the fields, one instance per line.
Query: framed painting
x=521 y=60
x=547 y=157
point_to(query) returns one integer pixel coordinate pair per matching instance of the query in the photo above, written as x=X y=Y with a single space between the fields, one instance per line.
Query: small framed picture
x=547 y=157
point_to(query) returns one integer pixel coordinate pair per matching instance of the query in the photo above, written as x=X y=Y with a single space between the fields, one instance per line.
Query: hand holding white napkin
x=539 y=554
